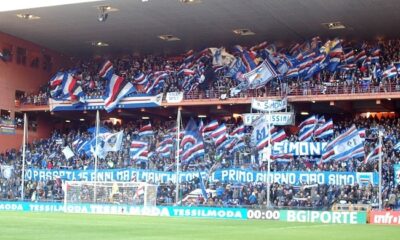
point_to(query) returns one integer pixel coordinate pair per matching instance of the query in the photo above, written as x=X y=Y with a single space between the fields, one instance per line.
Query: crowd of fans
x=47 y=154
x=216 y=82
x=362 y=77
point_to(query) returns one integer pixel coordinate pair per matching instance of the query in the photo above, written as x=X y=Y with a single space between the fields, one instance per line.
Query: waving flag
x=221 y=130
x=117 y=88
x=107 y=70
x=390 y=72
x=113 y=142
x=278 y=136
x=71 y=89
x=238 y=132
x=374 y=154
x=211 y=126
x=261 y=75
x=138 y=150
x=146 y=131
x=348 y=145
x=324 y=130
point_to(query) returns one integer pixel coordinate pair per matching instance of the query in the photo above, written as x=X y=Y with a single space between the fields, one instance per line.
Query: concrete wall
x=14 y=76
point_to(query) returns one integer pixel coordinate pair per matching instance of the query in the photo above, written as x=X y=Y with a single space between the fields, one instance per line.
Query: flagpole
x=96 y=152
x=380 y=171
x=24 y=137
x=269 y=162
x=178 y=128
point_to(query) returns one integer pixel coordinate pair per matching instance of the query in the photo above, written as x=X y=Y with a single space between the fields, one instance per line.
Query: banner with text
x=276 y=119
x=174 y=97
x=269 y=105
x=299 y=148
x=323 y=217
x=222 y=175
x=124 y=209
x=384 y=217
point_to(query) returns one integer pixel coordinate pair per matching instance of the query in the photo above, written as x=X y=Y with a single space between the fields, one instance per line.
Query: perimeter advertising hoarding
x=323 y=217
x=197 y=212
x=384 y=217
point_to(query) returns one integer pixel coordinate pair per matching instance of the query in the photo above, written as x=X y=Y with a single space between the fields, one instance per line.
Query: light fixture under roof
x=28 y=16
x=145 y=118
x=100 y=44
x=202 y=116
x=107 y=8
x=243 y=32
x=334 y=25
x=169 y=38
x=190 y=1
x=304 y=113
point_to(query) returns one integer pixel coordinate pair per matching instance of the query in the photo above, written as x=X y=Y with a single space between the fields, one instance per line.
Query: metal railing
x=316 y=90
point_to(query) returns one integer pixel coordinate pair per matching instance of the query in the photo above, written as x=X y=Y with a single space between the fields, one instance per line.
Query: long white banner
x=269 y=105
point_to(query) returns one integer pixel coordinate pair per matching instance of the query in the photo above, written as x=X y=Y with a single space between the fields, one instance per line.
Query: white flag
x=68 y=153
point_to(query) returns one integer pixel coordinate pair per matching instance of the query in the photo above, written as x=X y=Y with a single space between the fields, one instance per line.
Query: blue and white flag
x=349 y=146
x=261 y=75
x=113 y=142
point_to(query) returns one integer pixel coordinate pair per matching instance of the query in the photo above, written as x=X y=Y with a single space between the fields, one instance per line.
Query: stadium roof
x=136 y=25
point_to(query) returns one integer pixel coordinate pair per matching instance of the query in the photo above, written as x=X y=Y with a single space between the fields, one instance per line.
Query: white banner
x=269 y=105
x=174 y=97
x=277 y=119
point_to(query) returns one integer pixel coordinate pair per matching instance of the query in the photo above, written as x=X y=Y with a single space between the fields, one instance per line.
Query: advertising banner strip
x=323 y=217
x=384 y=217
x=197 y=212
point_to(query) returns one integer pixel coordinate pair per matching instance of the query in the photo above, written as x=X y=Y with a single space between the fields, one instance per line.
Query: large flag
x=261 y=75
x=348 y=145
x=193 y=146
x=117 y=88
x=221 y=57
x=113 y=142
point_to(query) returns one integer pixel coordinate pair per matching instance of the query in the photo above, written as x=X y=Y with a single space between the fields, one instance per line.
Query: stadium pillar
x=24 y=138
